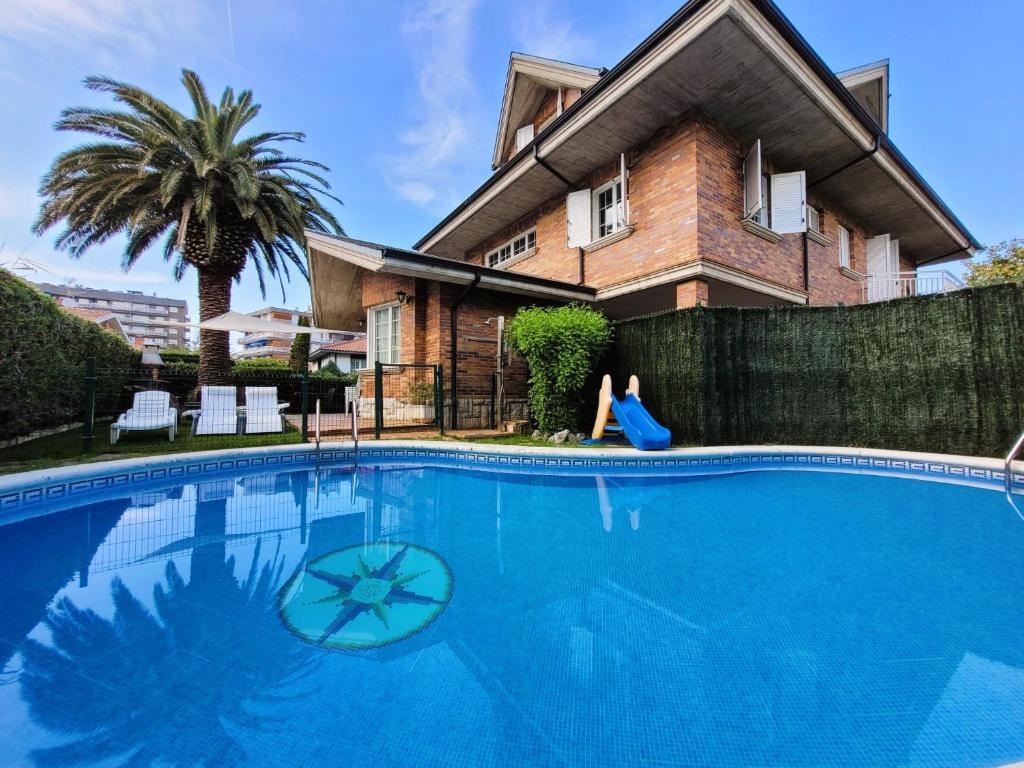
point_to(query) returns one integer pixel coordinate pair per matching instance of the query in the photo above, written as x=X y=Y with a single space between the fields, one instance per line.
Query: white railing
x=898 y=285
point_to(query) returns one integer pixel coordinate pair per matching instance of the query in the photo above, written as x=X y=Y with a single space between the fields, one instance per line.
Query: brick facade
x=685 y=204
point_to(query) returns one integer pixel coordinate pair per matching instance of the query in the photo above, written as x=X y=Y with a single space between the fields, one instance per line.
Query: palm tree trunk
x=214 y=346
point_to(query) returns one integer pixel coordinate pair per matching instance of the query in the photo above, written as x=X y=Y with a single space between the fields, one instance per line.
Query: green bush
x=43 y=350
x=298 y=357
x=421 y=393
x=335 y=376
x=261 y=365
x=330 y=368
x=561 y=345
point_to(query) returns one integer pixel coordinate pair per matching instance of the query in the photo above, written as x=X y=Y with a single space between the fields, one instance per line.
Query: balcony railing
x=898 y=285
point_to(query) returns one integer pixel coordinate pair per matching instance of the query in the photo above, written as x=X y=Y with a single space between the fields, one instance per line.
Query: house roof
x=528 y=79
x=337 y=266
x=98 y=316
x=138 y=297
x=350 y=347
x=743 y=63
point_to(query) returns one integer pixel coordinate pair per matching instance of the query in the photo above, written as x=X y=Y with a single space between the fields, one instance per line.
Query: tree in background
x=216 y=199
x=561 y=346
x=1002 y=263
x=298 y=358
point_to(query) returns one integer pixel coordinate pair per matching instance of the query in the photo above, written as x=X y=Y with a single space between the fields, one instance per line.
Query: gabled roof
x=102 y=317
x=744 y=64
x=352 y=346
x=337 y=265
x=870 y=85
x=528 y=78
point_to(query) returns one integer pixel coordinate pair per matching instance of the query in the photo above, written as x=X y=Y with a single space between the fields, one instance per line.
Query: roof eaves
x=772 y=13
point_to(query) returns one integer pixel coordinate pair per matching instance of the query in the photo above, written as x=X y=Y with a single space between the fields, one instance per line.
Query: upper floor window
x=514 y=248
x=777 y=201
x=844 y=247
x=607 y=209
x=385 y=333
x=524 y=136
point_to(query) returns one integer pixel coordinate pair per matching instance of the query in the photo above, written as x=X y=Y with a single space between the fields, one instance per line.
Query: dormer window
x=524 y=136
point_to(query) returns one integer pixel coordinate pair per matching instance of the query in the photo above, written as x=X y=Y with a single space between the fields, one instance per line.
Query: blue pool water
x=442 y=616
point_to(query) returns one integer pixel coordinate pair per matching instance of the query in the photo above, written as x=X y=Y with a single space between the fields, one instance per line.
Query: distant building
x=138 y=313
x=104 y=318
x=277 y=346
x=348 y=355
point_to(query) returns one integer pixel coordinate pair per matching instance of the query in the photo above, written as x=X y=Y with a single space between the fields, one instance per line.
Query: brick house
x=720 y=162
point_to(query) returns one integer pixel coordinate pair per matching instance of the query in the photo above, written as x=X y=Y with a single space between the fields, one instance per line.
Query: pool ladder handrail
x=354 y=409
x=1008 y=463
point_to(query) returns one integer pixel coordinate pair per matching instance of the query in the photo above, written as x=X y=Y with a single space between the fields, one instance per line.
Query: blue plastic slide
x=639 y=426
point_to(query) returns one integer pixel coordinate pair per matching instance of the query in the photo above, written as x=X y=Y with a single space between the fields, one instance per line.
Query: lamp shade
x=151 y=355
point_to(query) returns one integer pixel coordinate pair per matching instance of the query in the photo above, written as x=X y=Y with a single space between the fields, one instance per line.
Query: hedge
x=43 y=350
x=940 y=373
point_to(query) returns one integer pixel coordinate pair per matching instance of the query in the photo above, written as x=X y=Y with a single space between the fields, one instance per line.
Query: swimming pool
x=414 y=611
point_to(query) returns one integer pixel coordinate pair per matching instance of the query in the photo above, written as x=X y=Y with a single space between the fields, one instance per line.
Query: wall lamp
x=403 y=297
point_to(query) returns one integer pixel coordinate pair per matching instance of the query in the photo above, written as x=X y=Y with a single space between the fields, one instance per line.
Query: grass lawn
x=65 y=448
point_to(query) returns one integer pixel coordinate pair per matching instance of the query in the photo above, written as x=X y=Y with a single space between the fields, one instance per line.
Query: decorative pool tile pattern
x=82 y=482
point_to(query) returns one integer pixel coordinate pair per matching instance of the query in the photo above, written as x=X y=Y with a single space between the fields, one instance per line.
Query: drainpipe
x=807 y=267
x=583 y=267
x=455 y=348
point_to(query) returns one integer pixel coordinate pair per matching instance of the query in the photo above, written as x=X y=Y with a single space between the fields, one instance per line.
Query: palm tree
x=216 y=199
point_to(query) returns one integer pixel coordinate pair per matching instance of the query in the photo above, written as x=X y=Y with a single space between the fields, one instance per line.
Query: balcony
x=899 y=285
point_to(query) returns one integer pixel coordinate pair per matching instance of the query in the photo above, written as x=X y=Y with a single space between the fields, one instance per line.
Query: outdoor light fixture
x=403 y=297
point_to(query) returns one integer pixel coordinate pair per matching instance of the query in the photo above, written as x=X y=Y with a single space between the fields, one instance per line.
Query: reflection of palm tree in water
x=170 y=686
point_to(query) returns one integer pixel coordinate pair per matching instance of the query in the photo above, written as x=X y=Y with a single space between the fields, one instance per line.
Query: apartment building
x=277 y=345
x=141 y=315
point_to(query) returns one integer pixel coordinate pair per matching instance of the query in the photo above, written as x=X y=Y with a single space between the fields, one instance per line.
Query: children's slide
x=631 y=419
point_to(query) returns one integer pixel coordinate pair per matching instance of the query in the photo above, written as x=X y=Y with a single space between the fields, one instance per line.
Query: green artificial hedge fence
x=941 y=373
x=43 y=350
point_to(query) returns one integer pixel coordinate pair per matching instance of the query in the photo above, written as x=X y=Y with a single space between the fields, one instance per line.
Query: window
x=607 y=208
x=357 y=363
x=524 y=136
x=784 y=208
x=513 y=249
x=385 y=333
x=813 y=220
x=844 y=247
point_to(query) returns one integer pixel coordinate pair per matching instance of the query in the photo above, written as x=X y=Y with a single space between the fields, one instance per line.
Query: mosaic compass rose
x=364 y=597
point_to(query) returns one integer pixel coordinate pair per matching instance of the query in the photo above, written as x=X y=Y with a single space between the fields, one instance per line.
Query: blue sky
x=401 y=99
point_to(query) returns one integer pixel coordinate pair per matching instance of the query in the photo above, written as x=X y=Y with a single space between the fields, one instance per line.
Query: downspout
x=455 y=348
x=807 y=267
x=583 y=267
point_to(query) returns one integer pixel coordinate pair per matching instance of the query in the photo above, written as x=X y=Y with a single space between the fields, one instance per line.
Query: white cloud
x=108 y=30
x=540 y=33
x=438 y=33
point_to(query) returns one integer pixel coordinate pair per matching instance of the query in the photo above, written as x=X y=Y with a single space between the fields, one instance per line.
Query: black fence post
x=494 y=398
x=378 y=399
x=89 y=405
x=439 y=396
x=305 y=404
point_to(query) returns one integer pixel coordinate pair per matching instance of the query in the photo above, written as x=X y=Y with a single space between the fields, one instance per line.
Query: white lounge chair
x=150 y=410
x=218 y=414
x=262 y=411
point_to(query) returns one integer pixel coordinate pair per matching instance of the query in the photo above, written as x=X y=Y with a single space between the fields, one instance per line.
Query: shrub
x=339 y=378
x=43 y=350
x=561 y=345
x=330 y=368
x=261 y=365
x=421 y=393
x=298 y=358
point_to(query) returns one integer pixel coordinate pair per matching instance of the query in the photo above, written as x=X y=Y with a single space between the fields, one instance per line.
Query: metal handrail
x=1008 y=464
x=317 y=424
x=354 y=406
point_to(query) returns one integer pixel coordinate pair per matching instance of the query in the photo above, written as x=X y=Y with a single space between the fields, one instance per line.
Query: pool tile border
x=23 y=492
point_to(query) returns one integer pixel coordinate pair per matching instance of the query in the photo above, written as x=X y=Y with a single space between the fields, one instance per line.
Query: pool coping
x=23 y=491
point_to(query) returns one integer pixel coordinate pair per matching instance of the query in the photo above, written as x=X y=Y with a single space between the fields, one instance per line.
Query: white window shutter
x=577 y=218
x=752 y=181
x=844 y=247
x=878 y=255
x=894 y=256
x=624 y=204
x=524 y=136
x=789 y=204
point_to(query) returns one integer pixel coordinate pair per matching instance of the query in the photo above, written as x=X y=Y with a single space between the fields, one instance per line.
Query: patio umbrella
x=236 y=321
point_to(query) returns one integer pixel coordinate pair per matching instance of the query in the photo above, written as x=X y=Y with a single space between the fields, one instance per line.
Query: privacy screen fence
x=940 y=373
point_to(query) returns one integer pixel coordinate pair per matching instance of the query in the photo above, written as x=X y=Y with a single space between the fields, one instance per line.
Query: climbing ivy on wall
x=935 y=373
